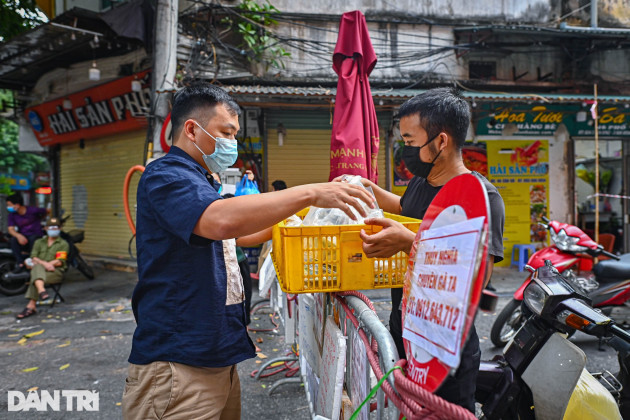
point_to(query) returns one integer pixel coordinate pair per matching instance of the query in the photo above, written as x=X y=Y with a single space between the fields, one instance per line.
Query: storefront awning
x=75 y=36
x=561 y=31
x=399 y=95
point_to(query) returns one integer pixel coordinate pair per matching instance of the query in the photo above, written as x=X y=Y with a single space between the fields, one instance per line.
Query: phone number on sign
x=438 y=313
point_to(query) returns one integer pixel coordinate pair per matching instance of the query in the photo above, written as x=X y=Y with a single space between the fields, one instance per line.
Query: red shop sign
x=100 y=111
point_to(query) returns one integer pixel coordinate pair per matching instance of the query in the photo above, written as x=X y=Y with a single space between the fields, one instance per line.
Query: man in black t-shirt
x=433 y=126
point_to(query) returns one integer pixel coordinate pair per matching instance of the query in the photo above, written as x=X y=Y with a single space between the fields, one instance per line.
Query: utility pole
x=163 y=72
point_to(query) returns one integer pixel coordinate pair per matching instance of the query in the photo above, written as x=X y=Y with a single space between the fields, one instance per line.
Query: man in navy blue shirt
x=189 y=301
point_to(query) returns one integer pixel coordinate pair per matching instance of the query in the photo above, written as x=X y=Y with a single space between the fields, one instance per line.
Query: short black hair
x=16 y=198
x=279 y=184
x=200 y=96
x=440 y=109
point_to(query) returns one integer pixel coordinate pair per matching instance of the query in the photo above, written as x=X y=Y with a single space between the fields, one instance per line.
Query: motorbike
x=15 y=282
x=607 y=286
x=7 y=265
x=541 y=374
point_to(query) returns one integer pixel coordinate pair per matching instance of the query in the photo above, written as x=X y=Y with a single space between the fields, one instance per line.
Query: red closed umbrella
x=355 y=137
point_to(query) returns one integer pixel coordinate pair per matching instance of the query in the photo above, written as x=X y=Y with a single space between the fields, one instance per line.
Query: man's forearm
x=489 y=269
x=248 y=214
x=255 y=238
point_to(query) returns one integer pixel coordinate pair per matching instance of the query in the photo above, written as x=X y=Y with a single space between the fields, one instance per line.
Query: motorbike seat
x=609 y=271
x=76 y=235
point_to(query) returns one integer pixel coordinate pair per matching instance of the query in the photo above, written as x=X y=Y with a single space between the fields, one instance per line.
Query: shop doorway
x=614 y=176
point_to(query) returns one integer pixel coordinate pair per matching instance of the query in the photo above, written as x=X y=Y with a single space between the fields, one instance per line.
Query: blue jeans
x=21 y=252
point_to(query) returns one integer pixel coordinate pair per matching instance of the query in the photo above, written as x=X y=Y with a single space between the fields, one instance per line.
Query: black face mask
x=415 y=165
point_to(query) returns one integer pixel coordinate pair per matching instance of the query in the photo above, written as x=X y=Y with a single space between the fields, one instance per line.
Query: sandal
x=26 y=312
x=44 y=295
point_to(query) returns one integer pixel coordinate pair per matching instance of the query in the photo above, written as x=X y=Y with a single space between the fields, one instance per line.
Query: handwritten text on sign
x=332 y=368
x=359 y=381
x=440 y=289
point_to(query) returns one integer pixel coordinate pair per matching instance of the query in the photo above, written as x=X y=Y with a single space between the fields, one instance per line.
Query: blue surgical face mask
x=10 y=209
x=225 y=153
x=53 y=232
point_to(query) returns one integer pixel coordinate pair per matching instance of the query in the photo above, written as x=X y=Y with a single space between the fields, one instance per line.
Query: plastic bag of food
x=324 y=217
x=293 y=221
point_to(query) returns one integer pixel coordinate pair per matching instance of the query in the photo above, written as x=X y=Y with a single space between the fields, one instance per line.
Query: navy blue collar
x=176 y=151
x=180 y=152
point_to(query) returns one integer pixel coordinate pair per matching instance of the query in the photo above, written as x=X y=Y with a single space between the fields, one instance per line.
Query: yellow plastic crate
x=312 y=259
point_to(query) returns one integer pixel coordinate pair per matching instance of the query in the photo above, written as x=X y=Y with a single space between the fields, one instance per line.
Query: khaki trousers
x=49 y=277
x=168 y=390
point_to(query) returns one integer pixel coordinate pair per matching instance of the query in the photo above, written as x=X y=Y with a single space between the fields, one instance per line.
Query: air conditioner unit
x=229 y=180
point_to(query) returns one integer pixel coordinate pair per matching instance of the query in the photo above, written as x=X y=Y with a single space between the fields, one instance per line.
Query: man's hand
x=48 y=266
x=366 y=182
x=22 y=240
x=393 y=238
x=386 y=200
x=341 y=195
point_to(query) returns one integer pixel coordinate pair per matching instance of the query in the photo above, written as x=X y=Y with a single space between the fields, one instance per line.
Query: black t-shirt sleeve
x=497 y=220
x=497 y=212
x=406 y=194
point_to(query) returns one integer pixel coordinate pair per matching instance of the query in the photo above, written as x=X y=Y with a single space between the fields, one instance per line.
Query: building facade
x=529 y=70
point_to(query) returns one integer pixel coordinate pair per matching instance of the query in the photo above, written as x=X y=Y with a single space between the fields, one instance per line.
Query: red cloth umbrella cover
x=355 y=136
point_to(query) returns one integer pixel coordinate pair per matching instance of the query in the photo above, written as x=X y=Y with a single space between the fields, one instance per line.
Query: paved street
x=92 y=333
x=84 y=344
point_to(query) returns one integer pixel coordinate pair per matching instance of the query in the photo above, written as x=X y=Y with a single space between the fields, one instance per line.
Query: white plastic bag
x=324 y=217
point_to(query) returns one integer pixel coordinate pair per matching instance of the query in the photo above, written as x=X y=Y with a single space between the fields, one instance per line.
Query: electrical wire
x=324 y=49
x=313 y=55
x=587 y=5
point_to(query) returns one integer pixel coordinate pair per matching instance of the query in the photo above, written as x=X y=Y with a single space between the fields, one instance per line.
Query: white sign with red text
x=332 y=368
x=440 y=288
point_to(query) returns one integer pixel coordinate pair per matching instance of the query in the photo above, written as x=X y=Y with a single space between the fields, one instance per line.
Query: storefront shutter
x=304 y=156
x=92 y=187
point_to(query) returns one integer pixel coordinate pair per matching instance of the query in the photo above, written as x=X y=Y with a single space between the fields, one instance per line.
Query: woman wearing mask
x=47 y=263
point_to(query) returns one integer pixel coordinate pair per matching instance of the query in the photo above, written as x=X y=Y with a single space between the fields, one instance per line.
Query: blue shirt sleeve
x=178 y=195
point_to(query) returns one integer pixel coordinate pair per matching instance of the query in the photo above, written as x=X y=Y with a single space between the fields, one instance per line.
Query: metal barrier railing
x=413 y=401
x=397 y=394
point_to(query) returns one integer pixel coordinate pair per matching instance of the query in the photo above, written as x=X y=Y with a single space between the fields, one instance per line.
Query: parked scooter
x=541 y=374
x=15 y=283
x=9 y=286
x=608 y=286
x=75 y=259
